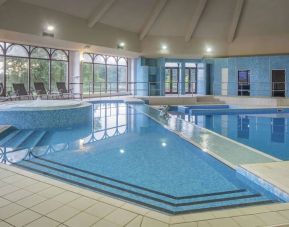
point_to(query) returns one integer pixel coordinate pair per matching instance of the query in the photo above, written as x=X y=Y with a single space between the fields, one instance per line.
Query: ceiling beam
x=235 y=21
x=99 y=12
x=195 y=19
x=158 y=8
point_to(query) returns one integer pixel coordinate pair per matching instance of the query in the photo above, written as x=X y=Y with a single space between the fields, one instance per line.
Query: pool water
x=268 y=132
x=128 y=155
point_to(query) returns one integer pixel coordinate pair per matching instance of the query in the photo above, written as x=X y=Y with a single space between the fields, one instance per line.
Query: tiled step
x=34 y=139
x=17 y=140
x=49 y=164
x=142 y=196
x=9 y=137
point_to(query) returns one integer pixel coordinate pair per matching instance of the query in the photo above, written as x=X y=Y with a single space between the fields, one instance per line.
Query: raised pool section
x=45 y=114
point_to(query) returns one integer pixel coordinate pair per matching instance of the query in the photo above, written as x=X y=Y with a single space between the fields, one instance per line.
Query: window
x=190 y=78
x=172 y=78
x=17 y=68
x=244 y=83
x=108 y=73
x=87 y=73
x=16 y=72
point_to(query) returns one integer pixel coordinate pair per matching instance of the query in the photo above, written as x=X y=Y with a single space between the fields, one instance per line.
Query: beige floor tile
x=175 y=219
x=43 y=222
x=105 y=223
x=284 y=213
x=203 y=224
x=10 y=210
x=31 y=201
x=23 y=218
x=37 y=187
x=46 y=207
x=112 y=201
x=82 y=220
x=51 y=192
x=5 y=224
x=120 y=216
x=227 y=213
x=135 y=222
x=4 y=202
x=8 y=189
x=135 y=208
x=82 y=203
x=17 y=195
x=63 y=213
x=159 y=216
x=248 y=220
x=149 y=222
x=5 y=173
x=224 y=222
x=14 y=178
x=25 y=183
x=198 y=216
x=100 y=209
x=272 y=218
x=191 y=224
x=66 y=197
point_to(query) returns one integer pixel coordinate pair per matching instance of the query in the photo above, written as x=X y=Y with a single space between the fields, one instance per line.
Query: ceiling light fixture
x=50 y=28
x=121 y=45
x=209 y=49
x=164 y=47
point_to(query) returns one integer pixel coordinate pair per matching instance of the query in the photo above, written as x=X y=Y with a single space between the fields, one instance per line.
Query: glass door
x=190 y=80
x=171 y=82
x=278 y=83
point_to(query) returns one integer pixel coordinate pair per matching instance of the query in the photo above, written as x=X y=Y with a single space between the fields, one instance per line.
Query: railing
x=274 y=89
x=102 y=89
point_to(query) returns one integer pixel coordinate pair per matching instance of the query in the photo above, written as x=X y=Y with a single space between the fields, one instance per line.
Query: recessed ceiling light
x=164 y=47
x=209 y=49
x=122 y=44
x=164 y=144
x=50 y=28
x=121 y=151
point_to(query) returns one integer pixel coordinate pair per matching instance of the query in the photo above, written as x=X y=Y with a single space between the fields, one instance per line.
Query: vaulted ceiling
x=222 y=20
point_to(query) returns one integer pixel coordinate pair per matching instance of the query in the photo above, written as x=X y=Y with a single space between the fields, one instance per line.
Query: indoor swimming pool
x=124 y=153
x=266 y=130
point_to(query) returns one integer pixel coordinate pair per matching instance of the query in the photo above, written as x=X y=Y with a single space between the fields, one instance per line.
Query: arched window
x=59 y=55
x=99 y=59
x=122 y=61
x=87 y=58
x=39 y=53
x=17 y=51
x=111 y=61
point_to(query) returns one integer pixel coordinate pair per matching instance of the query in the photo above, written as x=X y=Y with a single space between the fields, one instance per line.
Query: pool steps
x=23 y=138
x=160 y=201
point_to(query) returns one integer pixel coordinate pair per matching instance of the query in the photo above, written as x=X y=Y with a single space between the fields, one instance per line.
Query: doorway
x=172 y=80
x=278 y=83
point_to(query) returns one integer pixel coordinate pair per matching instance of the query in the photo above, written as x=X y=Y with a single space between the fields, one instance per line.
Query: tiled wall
x=260 y=73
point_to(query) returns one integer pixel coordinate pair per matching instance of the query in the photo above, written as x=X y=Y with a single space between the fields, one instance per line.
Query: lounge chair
x=21 y=92
x=2 y=94
x=42 y=92
x=61 y=87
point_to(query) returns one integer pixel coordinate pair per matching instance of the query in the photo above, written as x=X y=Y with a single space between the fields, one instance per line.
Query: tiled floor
x=28 y=199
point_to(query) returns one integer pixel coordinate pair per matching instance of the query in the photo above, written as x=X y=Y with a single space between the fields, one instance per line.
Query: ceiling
x=258 y=16
x=184 y=24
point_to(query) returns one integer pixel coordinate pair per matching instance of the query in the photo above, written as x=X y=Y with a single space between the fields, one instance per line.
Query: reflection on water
x=266 y=133
x=109 y=120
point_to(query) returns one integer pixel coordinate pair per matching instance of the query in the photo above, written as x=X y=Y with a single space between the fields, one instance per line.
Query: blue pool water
x=126 y=154
x=266 y=130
